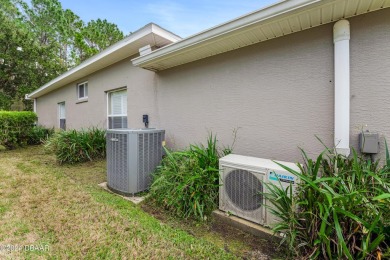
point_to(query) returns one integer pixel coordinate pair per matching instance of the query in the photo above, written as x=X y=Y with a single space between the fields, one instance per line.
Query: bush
x=187 y=182
x=74 y=146
x=340 y=210
x=15 y=128
x=39 y=134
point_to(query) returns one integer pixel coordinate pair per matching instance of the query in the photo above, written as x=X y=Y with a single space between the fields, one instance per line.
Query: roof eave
x=268 y=12
x=278 y=20
x=115 y=48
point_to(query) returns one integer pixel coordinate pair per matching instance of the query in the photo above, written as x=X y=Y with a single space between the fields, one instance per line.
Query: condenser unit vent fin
x=117 y=160
x=132 y=156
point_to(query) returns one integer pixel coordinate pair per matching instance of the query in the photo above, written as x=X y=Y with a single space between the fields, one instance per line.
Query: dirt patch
x=233 y=240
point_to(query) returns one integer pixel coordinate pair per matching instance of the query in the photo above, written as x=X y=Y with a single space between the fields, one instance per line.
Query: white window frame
x=60 y=116
x=85 y=93
x=109 y=107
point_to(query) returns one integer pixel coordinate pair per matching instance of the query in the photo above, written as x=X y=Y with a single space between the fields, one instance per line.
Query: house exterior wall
x=279 y=94
x=94 y=111
x=370 y=76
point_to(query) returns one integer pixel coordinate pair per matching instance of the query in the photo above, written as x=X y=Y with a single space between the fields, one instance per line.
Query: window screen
x=62 y=115
x=82 y=90
x=117 y=114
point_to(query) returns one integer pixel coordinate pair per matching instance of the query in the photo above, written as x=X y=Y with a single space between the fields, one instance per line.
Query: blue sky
x=181 y=17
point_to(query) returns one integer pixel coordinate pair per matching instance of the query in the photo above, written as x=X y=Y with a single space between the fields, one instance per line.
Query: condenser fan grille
x=243 y=189
x=117 y=157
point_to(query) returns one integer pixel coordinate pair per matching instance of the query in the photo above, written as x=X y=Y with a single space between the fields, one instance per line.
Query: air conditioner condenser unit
x=243 y=181
x=132 y=155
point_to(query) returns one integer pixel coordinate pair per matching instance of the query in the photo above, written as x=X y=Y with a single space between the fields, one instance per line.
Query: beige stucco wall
x=278 y=94
x=370 y=75
x=94 y=111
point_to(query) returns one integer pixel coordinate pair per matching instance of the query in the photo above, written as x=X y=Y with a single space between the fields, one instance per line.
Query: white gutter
x=341 y=37
x=26 y=97
x=277 y=9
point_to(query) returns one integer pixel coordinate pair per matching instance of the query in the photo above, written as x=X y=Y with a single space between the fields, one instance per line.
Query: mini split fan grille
x=244 y=189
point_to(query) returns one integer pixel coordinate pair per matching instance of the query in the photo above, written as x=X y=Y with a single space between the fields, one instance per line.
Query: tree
x=40 y=41
x=53 y=26
x=95 y=37
x=25 y=63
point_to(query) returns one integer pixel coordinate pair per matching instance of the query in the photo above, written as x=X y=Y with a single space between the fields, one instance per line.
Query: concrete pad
x=245 y=225
x=134 y=199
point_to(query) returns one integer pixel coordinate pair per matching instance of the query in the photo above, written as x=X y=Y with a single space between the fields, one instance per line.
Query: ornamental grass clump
x=39 y=134
x=74 y=146
x=341 y=209
x=187 y=182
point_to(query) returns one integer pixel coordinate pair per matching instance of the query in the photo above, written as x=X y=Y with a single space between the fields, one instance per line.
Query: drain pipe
x=34 y=100
x=341 y=36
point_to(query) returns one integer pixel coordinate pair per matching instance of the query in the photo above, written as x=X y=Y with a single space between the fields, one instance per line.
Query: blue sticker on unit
x=273 y=176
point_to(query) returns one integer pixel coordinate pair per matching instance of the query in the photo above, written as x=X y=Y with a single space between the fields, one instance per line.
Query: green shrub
x=187 y=182
x=341 y=209
x=15 y=128
x=39 y=134
x=74 y=146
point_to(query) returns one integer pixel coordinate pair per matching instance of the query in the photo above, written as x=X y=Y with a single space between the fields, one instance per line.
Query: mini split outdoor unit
x=132 y=155
x=242 y=182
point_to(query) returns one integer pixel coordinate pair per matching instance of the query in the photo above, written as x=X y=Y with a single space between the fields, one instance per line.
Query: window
x=82 y=90
x=117 y=109
x=61 y=115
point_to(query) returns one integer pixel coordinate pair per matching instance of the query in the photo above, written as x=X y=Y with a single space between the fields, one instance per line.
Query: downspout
x=26 y=97
x=341 y=37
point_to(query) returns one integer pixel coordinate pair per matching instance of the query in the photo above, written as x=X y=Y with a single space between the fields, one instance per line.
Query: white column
x=35 y=105
x=341 y=36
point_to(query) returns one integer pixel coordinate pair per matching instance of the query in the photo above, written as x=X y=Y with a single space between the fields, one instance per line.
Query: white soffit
x=277 y=20
x=150 y=34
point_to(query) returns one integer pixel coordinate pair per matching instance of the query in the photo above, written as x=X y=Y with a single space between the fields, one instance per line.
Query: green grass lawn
x=62 y=210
